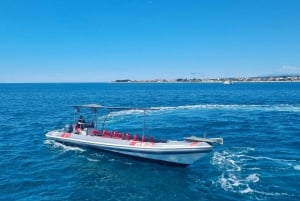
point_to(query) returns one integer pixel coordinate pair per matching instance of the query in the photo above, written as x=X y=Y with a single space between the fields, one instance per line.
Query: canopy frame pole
x=76 y=110
x=144 y=124
x=103 y=124
x=95 y=115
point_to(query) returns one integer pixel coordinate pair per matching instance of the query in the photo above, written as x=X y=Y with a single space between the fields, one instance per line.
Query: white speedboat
x=227 y=82
x=184 y=152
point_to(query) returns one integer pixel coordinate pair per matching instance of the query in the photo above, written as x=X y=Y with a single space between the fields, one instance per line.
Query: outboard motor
x=68 y=128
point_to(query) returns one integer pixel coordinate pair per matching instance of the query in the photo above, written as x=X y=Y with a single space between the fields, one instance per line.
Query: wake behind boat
x=184 y=152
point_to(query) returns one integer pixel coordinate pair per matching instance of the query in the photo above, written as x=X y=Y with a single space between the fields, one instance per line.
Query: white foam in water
x=232 y=178
x=297 y=167
x=62 y=146
x=253 y=178
x=231 y=182
x=125 y=112
x=47 y=141
x=225 y=160
x=247 y=190
x=243 y=107
x=276 y=107
x=92 y=160
x=284 y=162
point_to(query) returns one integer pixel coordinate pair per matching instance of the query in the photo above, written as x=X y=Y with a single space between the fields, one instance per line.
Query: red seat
x=117 y=134
x=95 y=132
x=106 y=133
x=127 y=136
x=136 y=137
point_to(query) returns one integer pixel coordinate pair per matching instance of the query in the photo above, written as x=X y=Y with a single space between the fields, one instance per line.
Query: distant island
x=281 y=78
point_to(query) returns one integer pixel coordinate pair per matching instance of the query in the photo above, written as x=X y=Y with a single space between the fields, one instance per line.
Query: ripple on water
x=244 y=173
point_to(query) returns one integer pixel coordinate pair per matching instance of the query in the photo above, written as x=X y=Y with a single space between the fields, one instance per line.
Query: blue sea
x=259 y=160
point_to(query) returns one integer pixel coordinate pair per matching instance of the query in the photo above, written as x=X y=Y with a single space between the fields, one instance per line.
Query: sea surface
x=260 y=158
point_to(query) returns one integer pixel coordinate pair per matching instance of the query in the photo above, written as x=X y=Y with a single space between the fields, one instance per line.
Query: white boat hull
x=176 y=152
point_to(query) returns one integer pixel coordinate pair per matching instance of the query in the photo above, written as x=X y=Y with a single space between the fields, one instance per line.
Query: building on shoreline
x=283 y=78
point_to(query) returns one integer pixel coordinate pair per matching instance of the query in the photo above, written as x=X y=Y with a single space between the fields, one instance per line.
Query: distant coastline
x=282 y=78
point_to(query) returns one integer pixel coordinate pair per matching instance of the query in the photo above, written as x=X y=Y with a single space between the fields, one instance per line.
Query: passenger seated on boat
x=80 y=122
x=116 y=134
x=79 y=126
x=126 y=136
x=136 y=137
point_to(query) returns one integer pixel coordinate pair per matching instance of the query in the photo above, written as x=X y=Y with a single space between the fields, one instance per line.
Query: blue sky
x=105 y=40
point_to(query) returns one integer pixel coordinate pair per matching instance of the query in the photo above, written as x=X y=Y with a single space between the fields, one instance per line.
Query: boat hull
x=176 y=152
